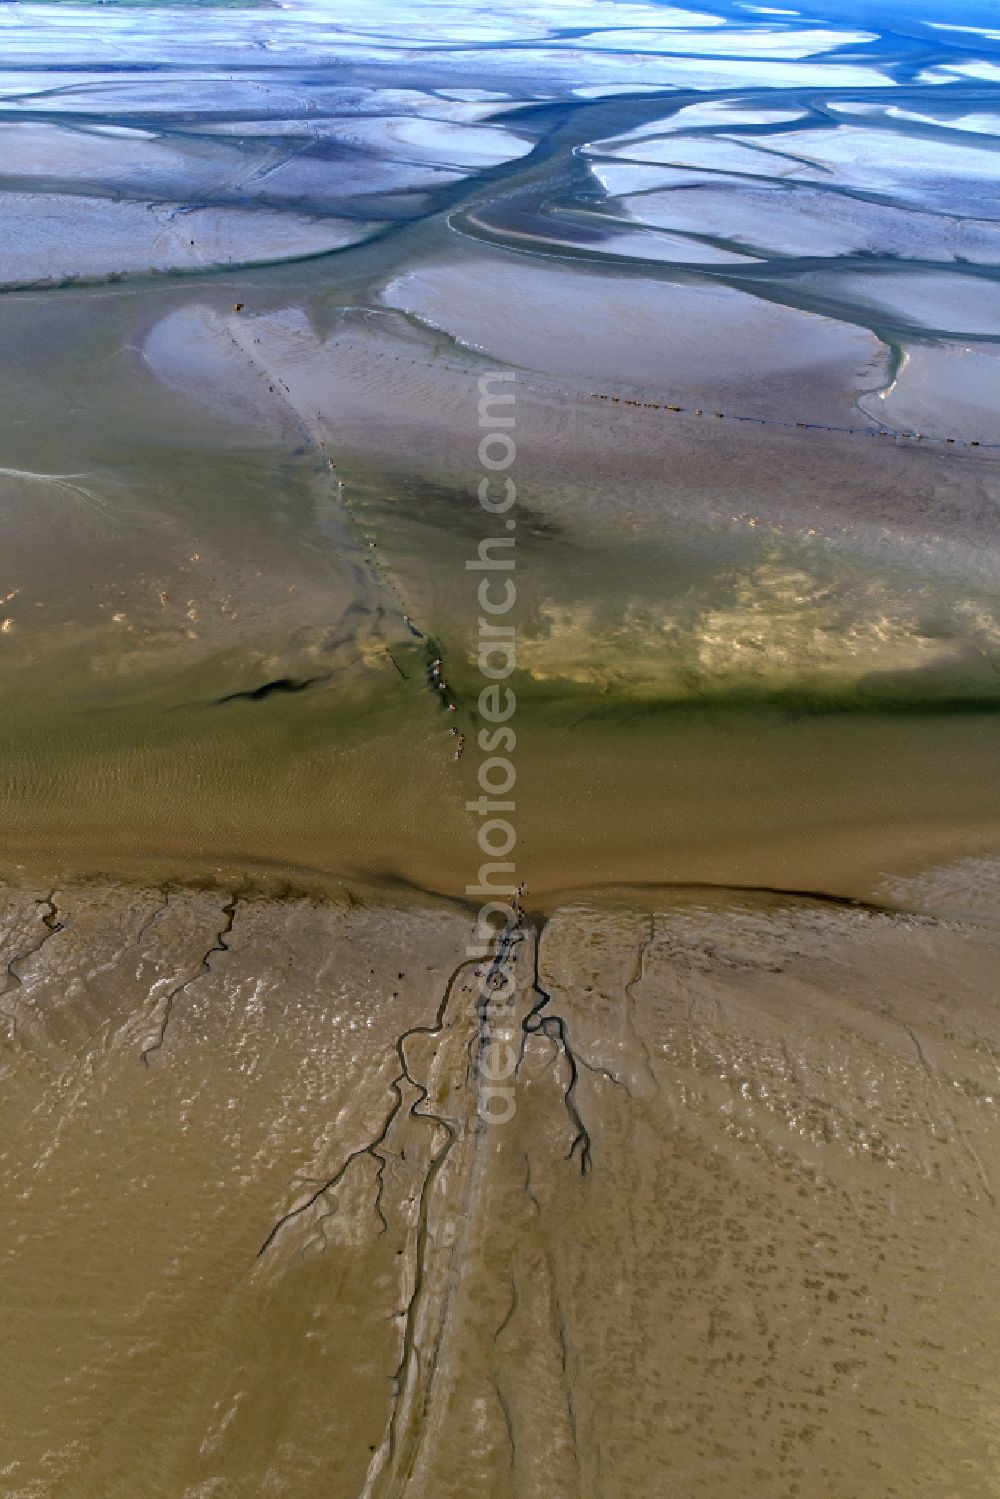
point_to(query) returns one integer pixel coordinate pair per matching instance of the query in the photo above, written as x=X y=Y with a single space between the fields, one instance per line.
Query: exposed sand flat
x=359 y=105
x=943 y=385
x=639 y=15
x=23 y=81
x=941 y=117
x=980 y=71
x=947 y=303
x=746 y=1202
x=621 y=178
x=444 y=141
x=711 y=153
x=965 y=890
x=144 y=94
x=630 y=243
x=62 y=238
x=784 y=573
x=663 y=334
x=789 y=42
x=708 y=114
x=793 y=220
x=283 y=177
x=674 y=337
x=967 y=31
x=808 y=207
x=108 y=154
x=257 y=102
x=669 y=70
x=631 y=36
x=918 y=172
x=942 y=175
x=250 y=159
x=524 y=222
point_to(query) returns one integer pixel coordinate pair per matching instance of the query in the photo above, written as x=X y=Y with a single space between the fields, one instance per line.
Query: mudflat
x=287 y=302
x=258 y=1238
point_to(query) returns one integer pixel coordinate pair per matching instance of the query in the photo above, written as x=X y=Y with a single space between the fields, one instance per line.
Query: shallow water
x=742 y=265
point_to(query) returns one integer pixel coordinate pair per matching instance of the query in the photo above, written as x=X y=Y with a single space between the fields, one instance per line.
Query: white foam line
x=61 y=481
x=27 y=473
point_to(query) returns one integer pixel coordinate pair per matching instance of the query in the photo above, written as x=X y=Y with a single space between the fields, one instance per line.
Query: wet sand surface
x=737 y=1236
x=256 y=1239
x=216 y=669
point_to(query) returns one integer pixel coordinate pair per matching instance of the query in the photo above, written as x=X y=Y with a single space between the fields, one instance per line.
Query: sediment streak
x=220 y=945
x=461 y=1143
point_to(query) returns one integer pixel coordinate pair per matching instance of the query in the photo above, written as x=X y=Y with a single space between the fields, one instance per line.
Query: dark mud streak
x=501 y=1398
x=401 y=1446
x=53 y=926
x=554 y=1028
x=921 y=1054
x=781 y=892
x=508 y=1315
x=371 y=567
x=632 y=1011
x=507 y=940
x=610 y=1077
x=152 y=919
x=954 y=1126
x=410 y=1353
x=528 y=1189
x=330 y=1183
x=220 y=945
x=270 y=689
x=372 y=1147
x=385 y=1474
x=564 y=1358
x=395 y=1473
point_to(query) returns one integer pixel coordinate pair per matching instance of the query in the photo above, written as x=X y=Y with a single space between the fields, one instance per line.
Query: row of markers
x=763 y=421
x=760 y=421
x=435 y=679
